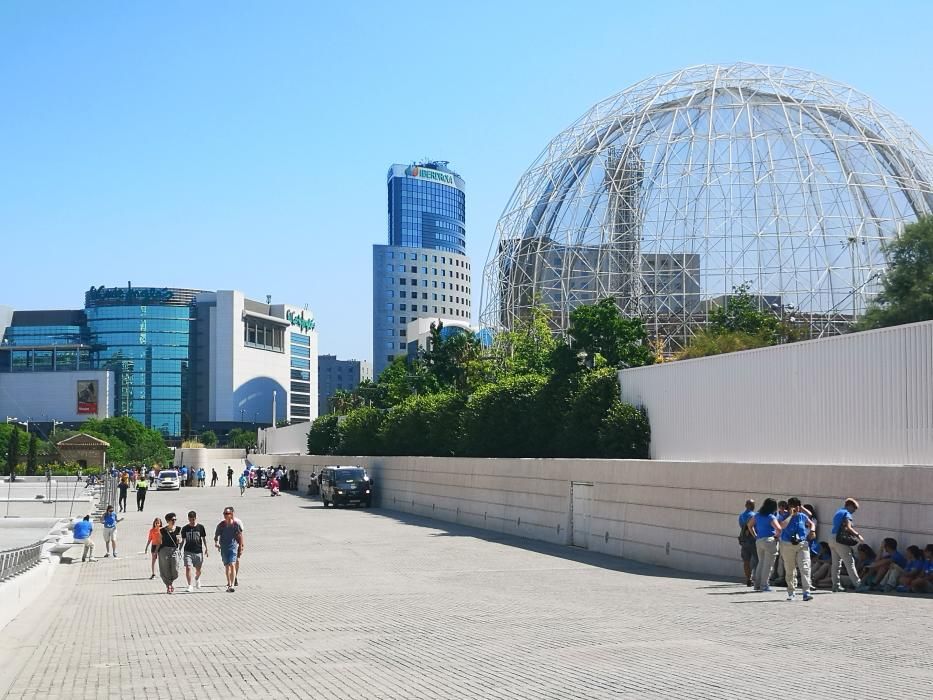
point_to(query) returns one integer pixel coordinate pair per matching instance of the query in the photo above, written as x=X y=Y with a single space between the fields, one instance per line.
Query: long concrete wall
x=676 y=514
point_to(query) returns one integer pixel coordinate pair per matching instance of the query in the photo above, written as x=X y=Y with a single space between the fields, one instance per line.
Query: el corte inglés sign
x=127 y=295
x=305 y=325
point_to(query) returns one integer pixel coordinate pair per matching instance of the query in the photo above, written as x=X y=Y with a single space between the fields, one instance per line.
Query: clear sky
x=244 y=145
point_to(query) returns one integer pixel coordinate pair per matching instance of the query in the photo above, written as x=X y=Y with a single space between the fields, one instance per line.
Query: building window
x=402 y=307
x=263 y=336
x=424 y=308
x=401 y=346
x=403 y=334
x=424 y=295
x=390 y=307
x=401 y=319
x=390 y=319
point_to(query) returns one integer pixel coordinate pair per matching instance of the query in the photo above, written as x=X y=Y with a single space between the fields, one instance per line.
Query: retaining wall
x=676 y=514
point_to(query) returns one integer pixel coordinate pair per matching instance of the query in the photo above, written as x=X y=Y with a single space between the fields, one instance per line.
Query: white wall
x=194 y=457
x=35 y=395
x=863 y=398
x=676 y=514
x=290 y=440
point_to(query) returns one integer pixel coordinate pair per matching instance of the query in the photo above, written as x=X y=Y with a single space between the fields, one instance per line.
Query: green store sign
x=305 y=325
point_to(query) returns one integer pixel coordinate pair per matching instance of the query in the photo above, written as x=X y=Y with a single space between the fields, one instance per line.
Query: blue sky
x=244 y=145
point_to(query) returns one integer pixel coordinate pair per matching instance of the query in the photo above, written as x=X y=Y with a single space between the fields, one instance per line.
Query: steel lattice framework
x=671 y=193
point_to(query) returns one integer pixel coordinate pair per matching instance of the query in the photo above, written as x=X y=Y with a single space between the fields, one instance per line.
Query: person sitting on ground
x=274 y=486
x=890 y=559
x=924 y=582
x=822 y=560
x=916 y=567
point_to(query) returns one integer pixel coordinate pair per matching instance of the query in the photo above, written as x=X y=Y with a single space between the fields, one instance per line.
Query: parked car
x=168 y=480
x=343 y=485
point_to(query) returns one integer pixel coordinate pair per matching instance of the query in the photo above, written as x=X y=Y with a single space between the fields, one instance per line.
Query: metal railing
x=16 y=561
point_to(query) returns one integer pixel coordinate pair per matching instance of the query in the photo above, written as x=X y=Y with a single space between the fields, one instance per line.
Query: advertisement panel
x=87 y=396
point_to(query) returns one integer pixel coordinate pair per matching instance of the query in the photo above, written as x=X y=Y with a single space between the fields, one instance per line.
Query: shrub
x=359 y=432
x=424 y=424
x=588 y=406
x=501 y=419
x=624 y=433
x=324 y=436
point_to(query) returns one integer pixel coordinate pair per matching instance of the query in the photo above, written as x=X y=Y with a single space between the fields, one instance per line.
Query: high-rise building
x=424 y=270
x=338 y=375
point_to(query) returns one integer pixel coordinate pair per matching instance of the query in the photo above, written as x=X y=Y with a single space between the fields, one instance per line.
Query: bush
x=706 y=343
x=624 y=433
x=501 y=419
x=324 y=436
x=359 y=432
x=589 y=405
x=209 y=438
x=424 y=424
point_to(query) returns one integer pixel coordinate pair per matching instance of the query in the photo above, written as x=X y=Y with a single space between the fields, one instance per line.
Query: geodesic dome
x=672 y=193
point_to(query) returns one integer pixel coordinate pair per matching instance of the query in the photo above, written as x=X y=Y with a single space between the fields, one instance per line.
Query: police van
x=345 y=485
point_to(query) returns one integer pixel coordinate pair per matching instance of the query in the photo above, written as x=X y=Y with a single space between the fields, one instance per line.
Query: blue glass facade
x=427 y=213
x=147 y=346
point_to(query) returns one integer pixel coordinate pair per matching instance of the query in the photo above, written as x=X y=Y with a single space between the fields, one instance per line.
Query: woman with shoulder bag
x=168 y=552
x=845 y=537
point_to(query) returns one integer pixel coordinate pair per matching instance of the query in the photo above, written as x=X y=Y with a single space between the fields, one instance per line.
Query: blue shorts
x=228 y=553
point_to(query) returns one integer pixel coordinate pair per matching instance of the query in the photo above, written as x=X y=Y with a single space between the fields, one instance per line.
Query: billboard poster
x=87 y=396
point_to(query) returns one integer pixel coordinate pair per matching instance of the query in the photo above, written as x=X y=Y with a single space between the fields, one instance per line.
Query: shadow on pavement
x=568 y=553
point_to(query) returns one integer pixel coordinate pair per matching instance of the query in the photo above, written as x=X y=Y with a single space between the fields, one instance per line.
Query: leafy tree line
x=531 y=395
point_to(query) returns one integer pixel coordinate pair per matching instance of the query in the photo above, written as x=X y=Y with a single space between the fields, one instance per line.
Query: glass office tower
x=423 y=271
x=142 y=335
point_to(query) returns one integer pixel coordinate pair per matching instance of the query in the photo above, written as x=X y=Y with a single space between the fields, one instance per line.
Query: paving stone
x=376 y=604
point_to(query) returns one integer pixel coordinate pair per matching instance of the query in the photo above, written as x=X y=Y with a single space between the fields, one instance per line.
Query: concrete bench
x=63 y=545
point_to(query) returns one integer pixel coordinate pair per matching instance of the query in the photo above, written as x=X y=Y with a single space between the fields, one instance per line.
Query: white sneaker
x=791 y=596
x=190 y=589
x=197 y=583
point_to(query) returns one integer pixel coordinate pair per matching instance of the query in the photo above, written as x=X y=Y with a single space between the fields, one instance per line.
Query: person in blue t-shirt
x=842 y=553
x=924 y=582
x=109 y=521
x=82 y=535
x=889 y=560
x=916 y=568
x=795 y=548
x=747 y=542
x=766 y=529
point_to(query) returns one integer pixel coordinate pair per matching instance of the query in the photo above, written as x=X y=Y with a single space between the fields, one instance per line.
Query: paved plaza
x=375 y=604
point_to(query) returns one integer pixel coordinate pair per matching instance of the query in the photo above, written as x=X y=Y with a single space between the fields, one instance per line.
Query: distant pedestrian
x=152 y=475
x=202 y=477
x=142 y=488
x=228 y=538
x=152 y=543
x=213 y=477
x=842 y=550
x=229 y=475
x=169 y=538
x=747 y=542
x=109 y=521
x=242 y=484
x=123 y=487
x=766 y=529
x=82 y=535
x=195 y=539
x=133 y=478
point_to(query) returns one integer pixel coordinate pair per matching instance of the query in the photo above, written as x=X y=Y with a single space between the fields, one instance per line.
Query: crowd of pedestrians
x=779 y=544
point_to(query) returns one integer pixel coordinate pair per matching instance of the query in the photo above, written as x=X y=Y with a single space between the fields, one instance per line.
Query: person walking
x=766 y=530
x=109 y=521
x=142 y=488
x=195 y=538
x=229 y=475
x=169 y=537
x=152 y=543
x=242 y=484
x=845 y=536
x=123 y=487
x=82 y=535
x=213 y=477
x=747 y=542
x=795 y=548
x=228 y=538
x=202 y=477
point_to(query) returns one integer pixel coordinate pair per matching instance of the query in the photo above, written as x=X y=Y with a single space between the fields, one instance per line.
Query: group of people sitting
x=779 y=540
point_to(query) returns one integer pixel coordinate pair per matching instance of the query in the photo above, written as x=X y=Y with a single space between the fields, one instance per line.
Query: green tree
x=528 y=348
x=32 y=458
x=624 y=433
x=324 y=435
x=597 y=392
x=705 y=343
x=501 y=419
x=426 y=424
x=12 y=452
x=130 y=441
x=907 y=287
x=342 y=402
x=602 y=329
x=359 y=432
x=241 y=438
x=208 y=438
x=741 y=312
x=456 y=362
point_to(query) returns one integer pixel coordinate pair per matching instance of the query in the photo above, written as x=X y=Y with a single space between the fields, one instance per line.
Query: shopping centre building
x=177 y=360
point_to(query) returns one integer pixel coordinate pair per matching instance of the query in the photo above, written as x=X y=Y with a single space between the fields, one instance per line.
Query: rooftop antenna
x=269 y=299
